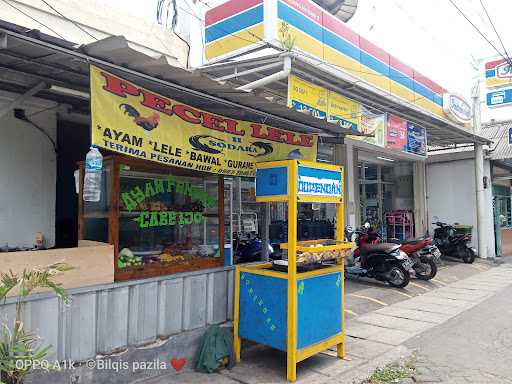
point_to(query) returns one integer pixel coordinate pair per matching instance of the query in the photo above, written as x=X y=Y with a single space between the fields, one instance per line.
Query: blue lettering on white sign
x=308 y=187
x=319 y=182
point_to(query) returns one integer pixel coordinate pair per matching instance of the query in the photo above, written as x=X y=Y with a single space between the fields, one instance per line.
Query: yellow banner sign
x=136 y=122
x=323 y=103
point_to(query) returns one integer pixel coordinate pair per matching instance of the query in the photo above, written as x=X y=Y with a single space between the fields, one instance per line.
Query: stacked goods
x=315 y=256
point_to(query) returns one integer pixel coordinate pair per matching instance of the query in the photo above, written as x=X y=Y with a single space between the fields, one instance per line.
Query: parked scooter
x=452 y=244
x=424 y=254
x=248 y=248
x=384 y=261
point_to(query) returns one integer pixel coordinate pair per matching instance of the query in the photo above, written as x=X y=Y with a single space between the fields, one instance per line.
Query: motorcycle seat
x=414 y=241
x=382 y=247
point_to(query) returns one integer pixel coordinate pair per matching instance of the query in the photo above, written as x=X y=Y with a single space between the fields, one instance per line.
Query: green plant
x=20 y=350
x=393 y=373
x=285 y=37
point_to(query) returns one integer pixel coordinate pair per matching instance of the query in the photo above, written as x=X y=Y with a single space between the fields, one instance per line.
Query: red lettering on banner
x=119 y=87
x=256 y=131
x=306 y=140
x=280 y=136
x=191 y=115
x=231 y=127
x=275 y=134
x=213 y=122
x=155 y=102
x=188 y=114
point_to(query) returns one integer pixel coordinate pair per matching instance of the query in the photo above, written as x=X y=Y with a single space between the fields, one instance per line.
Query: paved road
x=474 y=347
x=367 y=295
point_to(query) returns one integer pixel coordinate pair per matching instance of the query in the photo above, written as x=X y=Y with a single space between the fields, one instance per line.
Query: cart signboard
x=319 y=182
x=300 y=312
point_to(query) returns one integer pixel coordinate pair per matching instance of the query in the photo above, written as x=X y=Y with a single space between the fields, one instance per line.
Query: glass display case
x=161 y=220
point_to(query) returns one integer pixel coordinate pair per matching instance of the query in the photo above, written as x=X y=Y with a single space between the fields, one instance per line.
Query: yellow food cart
x=300 y=313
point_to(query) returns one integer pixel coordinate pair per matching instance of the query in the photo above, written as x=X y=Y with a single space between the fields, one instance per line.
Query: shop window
x=161 y=220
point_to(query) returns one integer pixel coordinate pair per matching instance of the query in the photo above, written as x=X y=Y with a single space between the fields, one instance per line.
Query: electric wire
x=480 y=32
x=496 y=32
x=71 y=21
x=33 y=19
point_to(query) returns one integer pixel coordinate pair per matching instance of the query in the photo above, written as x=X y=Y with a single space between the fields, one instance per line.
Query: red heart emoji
x=178 y=364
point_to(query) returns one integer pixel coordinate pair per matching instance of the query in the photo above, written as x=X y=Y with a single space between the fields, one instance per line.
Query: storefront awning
x=245 y=73
x=28 y=58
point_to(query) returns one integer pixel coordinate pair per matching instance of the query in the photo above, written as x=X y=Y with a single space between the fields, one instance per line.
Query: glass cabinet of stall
x=161 y=220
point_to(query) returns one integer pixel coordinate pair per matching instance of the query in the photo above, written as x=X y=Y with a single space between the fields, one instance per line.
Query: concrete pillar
x=346 y=155
x=420 y=198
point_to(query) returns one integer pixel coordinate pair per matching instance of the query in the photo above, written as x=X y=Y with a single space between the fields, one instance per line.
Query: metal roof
x=29 y=57
x=497 y=132
x=240 y=72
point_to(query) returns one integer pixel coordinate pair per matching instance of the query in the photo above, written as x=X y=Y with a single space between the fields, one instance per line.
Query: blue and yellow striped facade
x=238 y=25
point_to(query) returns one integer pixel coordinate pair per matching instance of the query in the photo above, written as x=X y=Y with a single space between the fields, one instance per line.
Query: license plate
x=408 y=264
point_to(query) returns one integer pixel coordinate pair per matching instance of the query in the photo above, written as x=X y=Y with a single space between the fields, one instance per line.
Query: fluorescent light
x=385 y=159
x=69 y=92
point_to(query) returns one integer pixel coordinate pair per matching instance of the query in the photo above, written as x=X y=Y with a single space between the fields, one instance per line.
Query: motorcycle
x=383 y=261
x=424 y=254
x=452 y=244
x=248 y=248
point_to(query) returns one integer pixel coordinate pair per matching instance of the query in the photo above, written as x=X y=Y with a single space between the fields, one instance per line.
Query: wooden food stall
x=160 y=219
x=298 y=308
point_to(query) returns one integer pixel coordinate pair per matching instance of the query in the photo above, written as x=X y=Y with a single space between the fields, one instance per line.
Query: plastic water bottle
x=92 y=180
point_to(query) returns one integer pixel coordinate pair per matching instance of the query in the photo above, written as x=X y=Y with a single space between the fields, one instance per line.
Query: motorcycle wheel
x=468 y=256
x=398 y=276
x=427 y=270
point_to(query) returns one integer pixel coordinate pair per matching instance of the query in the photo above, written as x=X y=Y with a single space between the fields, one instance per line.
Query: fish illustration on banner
x=137 y=122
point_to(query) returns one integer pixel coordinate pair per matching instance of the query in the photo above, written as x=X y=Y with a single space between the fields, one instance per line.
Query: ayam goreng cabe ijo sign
x=134 y=121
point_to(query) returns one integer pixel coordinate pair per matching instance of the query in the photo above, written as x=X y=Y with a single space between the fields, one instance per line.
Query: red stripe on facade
x=494 y=64
x=229 y=9
x=339 y=28
x=428 y=83
x=400 y=66
x=373 y=50
x=307 y=8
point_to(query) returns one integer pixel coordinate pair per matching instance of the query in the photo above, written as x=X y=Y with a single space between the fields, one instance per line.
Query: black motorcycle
x=248 y=248
x=383 y=262
x=452 y=244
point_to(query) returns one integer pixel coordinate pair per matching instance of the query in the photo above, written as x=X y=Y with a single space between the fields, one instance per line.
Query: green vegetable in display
x=128 y=259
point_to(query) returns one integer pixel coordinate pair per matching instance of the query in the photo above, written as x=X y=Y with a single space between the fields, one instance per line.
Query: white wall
x=27 y=176
x=99 y=20
x=451 y=196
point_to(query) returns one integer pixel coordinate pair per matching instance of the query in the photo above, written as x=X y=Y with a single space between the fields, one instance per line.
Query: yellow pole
x=292 y=272
x=340 y=235
x=236 y=315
